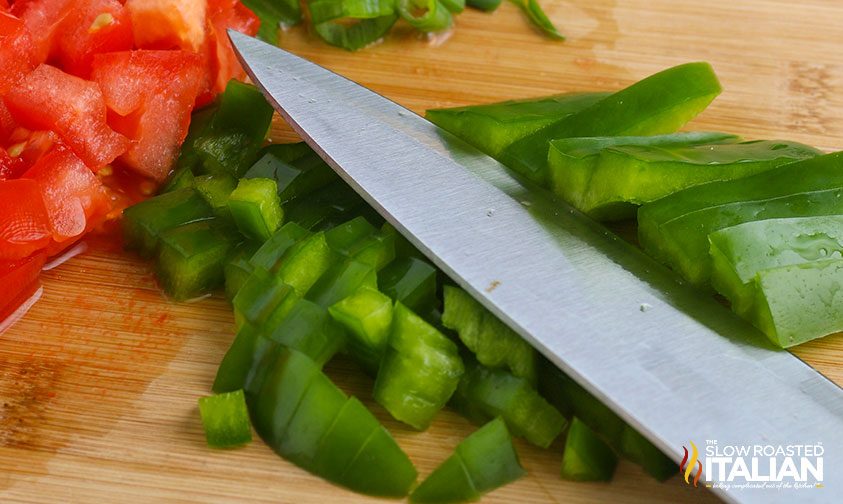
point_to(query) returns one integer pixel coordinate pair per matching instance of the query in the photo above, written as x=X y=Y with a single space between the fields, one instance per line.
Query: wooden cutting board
x=99 y=382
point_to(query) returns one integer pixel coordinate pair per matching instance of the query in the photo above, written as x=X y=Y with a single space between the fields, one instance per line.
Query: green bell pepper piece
x=345 y=237
x=225 y=419
x=273 y=14
x=307 y=328
x=412 y=282
x=659 y=104
x=342 y=280
x=609 y=182
x=255 y=208
x=675 y=229
x=238 y=360
x=482 y=462
x=484 y=5
x=237 y=267
x=358 y=239
x=191 y=258
x=493 y=343
x=231 y=141
x=369 y=472
x=215 y=190
x=493 y=127
x=485 y=393
x=144 y=222
x=181 y=178
x=269 y=255
x=586 y=457
x=638 y=449
x=761 y=266
x=367 y=316
x=326 y=207
x=200 y=121
x=296 y=178
x=305 y=263
x=419 y=371
x=263 y=300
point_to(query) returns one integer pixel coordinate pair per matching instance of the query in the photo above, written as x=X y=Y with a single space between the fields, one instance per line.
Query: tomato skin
x=24 y=227
x=151 y=94
x=95 y=26
x=15 y=51
x=19 y=279
x=43 y=19
x=72 y=194
x=49 y=99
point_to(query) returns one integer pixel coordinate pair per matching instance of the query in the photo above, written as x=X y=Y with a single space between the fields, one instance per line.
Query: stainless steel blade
x=673 y=363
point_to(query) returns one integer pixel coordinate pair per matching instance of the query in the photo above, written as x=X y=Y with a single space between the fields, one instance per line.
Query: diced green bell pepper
x=181 y=178
x=191 y=258
x=269 y=255
x=367 y=316
x=493 y=343
x=485 y=393
x=586 y=457
x=225 y=419
x=215 y=190
x=307 y=419
x=238 y=360
x=309 y=329
x=675 y=229
x=782 y=275
x=305 y=263
x=659 y=104
x=342 y=280
x=263 y=299
x=238 y=268
x=419 y=371
x=255 y=208
x=327 y=207
x=296 y=178
x=412 y=282
x=360 y=240
x=609 y=181
x=144 y=222
x=482 y=462
x=493 y=127
x=231 y=141
x=200 y=121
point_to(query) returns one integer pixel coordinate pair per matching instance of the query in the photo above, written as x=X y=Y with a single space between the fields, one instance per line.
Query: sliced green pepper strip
x=761 y=266
x=300 y=176
x=326 y=208
x=536 y=14
x=482 y=462
x=493 y=343
x=143 y=223
x=484 y=5
x=308 y=329
x=485 y=393
x=455 y=6
x=419 y=371
x=238 y=360
x=263 y=298
x=675 y=229
x=425 y=15
x=412 y=282
x=342 y=280
x=273 y=14
x=371 y=21
x=269 y=255
x=215 y=190
x=345 y=237
x=367 y=316
x=191 y=258
x=659 y=104
x=289 y=152
x=586 y=457
x=200 y=123
x=180 y=178
x=305 y=263
x=238 y=268
x=493 y=127
x=225 y=419
x=256 y=208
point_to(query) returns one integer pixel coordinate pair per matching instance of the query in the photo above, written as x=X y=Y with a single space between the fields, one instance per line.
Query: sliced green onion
x=425 y=15
x=536 y=14
x=455 y=6
x=273 y=14
x=484 y=5
x=352 y=24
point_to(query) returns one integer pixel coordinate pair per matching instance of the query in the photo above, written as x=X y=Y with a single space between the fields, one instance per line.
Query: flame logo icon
x=694 y=461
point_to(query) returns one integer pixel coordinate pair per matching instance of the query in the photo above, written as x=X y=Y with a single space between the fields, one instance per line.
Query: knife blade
x=670 y=361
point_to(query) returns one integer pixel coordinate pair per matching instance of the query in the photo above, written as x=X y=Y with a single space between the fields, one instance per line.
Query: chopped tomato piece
x=72 y=195
x=168 y=24
x=10 y=166
x=19 y=279
x=29 y=149
x=24 y=227
x=72 y=107
x=7 y=124
x=223 y=64
x=93 y=27
x=152 y=94
x=4 y=5
x=15 y=51
x=42 y=19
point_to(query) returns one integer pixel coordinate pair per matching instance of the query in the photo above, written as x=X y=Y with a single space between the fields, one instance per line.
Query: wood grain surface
x=99 y=382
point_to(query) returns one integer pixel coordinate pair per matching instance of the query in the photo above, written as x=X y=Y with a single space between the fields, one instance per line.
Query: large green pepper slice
x=659 y=104
x=493 y=127
x=675 y=229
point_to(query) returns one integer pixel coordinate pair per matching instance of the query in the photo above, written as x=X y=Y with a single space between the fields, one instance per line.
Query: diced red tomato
x=19 y=280
x=42 y=19
x=15 y=51
x=222 y=63
x=93 y=27
x=168 y=24
x=74 y=108
x=24 y=226
x=4 y=5
x=152 y=94
x=7 y=124
x=73 y=196
x=29 y=146
x=10 y=166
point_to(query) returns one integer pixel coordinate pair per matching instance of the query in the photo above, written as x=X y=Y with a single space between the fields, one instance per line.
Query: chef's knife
x=673 y=363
